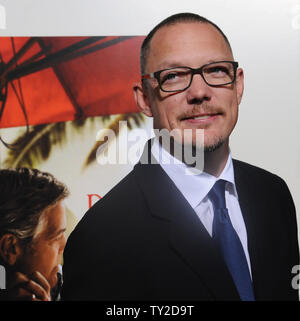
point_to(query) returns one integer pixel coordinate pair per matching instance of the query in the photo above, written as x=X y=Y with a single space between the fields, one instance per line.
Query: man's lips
x=201 y=118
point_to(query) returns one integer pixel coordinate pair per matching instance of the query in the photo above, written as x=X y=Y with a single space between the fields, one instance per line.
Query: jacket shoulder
x=262 y=182
x=254 y=172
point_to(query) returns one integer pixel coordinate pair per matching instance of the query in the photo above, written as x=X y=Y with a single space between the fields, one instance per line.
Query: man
x=228 y=232
x=32 y=240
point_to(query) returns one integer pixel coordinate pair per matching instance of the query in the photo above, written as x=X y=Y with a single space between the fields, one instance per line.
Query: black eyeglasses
x=214 y=74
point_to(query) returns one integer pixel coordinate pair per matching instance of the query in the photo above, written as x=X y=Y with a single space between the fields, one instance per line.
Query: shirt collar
x=193 y=187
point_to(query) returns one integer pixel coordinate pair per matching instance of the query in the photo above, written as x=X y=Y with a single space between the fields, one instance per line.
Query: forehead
x=52 y=221
x=186 y=43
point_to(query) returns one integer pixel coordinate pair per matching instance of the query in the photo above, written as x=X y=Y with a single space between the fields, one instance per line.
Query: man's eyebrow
x=57 y=232
x=169 y=64
x=174 y=63
x=62 y=230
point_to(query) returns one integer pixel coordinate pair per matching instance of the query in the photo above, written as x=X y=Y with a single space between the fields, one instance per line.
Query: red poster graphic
x=56 y=79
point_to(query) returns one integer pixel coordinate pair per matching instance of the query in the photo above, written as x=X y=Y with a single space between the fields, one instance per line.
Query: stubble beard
x=213 y=147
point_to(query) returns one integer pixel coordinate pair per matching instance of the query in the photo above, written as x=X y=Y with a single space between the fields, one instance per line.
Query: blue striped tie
x=229 y=243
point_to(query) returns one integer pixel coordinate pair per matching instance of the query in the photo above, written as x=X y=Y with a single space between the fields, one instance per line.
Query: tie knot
x=217 y=194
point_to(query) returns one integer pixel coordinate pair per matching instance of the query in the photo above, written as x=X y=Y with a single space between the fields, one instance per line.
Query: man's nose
x=62 y=243
x=198 y=90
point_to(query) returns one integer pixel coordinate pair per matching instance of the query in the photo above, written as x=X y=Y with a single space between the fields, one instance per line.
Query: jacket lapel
x=187 y=236
x=252 y=209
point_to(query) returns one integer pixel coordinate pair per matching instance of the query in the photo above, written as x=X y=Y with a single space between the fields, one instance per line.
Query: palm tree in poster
x=35 y=146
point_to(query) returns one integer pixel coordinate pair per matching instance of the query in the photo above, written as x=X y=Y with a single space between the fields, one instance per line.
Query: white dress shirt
x=196 y=187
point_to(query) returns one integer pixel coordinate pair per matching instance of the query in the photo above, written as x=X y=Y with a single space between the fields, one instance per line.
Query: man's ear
x=239 y=84
x=142 y=99
x=10 y=249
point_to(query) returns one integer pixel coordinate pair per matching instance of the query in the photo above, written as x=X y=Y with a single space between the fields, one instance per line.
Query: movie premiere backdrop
x=60 y=96
x=66 y=75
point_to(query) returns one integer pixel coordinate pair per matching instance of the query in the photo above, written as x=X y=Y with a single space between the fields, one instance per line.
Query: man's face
x=214 y=109
x=45 y=252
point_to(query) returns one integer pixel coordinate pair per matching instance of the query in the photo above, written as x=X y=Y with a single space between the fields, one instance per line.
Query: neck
x=212 y=163
x=215 y=162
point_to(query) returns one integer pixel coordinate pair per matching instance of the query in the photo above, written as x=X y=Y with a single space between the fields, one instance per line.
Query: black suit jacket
x=143 y=241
